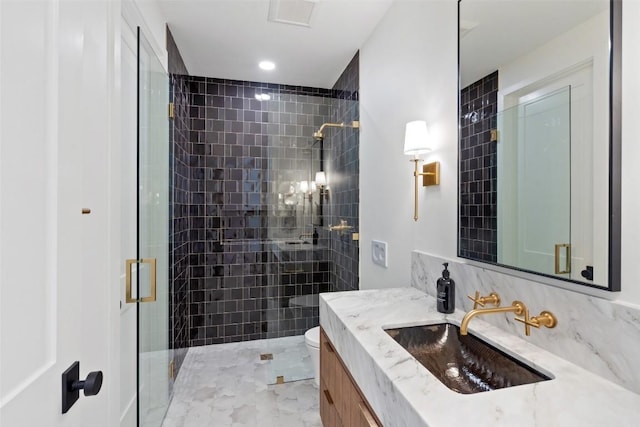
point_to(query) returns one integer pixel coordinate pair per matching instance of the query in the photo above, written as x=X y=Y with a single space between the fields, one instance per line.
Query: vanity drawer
x=328 y=410
x=364 y=417
x=341 y=402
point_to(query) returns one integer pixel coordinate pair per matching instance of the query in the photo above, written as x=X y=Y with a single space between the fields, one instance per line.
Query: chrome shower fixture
x=320 y=135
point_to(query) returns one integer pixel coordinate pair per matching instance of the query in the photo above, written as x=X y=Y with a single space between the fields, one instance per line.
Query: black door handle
x=71 y=385
x=587 y=273
x=91 y=385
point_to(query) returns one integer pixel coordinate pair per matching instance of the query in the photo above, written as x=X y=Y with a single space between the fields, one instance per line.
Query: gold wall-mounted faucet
x=516 y=307
x=546 y=318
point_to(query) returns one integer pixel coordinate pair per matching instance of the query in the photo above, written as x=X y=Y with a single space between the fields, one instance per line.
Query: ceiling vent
x=294 y=12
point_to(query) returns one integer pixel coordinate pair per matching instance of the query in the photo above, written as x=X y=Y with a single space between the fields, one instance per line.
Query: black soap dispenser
x=446 y=292
x=315 y=236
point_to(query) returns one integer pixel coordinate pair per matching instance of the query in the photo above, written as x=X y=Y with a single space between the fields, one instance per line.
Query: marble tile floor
x=291 y=359
x=155 y=390
x=228 y=385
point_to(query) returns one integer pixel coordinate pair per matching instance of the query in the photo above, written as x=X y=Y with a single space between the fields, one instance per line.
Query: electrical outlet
x=379 y=253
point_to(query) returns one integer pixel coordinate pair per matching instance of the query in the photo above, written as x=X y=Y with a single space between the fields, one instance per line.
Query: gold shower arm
x=319 y=134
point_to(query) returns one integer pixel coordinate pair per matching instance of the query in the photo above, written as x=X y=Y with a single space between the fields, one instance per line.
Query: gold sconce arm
x=430 y=176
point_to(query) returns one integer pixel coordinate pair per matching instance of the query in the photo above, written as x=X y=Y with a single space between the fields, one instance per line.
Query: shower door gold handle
x=567 y=262
x=152 y=278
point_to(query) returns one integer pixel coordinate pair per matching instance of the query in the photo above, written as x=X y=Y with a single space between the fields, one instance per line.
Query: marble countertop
x=404 y=393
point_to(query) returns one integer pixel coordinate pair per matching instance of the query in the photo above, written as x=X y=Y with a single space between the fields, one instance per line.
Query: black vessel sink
x=464 y=363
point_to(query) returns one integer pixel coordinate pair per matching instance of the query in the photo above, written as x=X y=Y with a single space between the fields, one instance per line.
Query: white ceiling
x=504 y=30
x=227 y=39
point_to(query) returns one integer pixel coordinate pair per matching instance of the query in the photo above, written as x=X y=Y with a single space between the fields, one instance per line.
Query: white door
x=58 y=285
x=559 y=192
x=544 y=182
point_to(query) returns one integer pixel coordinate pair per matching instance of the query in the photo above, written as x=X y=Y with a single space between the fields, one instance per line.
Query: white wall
x=630 y=152
x=408 y=70
x=147 y=15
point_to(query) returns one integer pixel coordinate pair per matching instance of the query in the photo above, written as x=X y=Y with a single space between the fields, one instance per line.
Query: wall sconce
x=416 y=142
x=321 y=183
x=303 y=189
x=306 y=189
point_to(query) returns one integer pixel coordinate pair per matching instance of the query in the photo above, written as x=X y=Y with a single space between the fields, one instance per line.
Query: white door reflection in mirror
x=533 y=180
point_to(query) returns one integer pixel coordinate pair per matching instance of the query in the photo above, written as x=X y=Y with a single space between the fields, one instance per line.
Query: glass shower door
x=154 y=355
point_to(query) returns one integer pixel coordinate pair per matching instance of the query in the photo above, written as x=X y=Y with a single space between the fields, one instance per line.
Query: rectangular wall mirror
x=539 y=137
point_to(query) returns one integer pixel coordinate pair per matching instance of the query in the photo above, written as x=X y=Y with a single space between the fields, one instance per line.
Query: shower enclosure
x=245 y=161
x=154 y=354
x=146 y=357
x=245 y=208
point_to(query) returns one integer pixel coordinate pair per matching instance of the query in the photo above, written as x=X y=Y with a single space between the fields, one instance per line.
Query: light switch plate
x=379 y=253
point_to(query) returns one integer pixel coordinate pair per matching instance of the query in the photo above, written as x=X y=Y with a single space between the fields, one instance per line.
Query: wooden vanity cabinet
x=341 y=402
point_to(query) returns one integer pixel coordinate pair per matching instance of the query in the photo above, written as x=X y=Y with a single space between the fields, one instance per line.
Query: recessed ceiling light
x=262 y=97
x=267 y=65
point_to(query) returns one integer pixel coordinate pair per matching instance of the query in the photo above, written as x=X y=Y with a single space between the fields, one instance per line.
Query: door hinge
x=171 y=110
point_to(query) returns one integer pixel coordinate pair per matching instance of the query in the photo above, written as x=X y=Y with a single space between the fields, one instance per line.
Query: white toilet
x=312 y=340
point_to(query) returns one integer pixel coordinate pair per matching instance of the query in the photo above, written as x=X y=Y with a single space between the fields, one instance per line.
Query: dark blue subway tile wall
x=179 y=233
x=343 y=173
x=478 y=179
x=246 y=158
x=179 y=214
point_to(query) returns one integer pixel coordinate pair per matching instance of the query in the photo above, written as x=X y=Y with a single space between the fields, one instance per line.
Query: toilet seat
x=312 y=337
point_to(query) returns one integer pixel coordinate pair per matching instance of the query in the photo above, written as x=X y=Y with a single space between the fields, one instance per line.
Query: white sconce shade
x=321 y=178
x=304 y=186
x=416 y=138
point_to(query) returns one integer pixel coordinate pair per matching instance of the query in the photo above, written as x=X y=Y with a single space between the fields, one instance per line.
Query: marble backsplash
x=599 y=335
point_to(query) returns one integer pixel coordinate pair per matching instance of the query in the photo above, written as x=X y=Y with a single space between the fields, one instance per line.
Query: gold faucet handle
x=492 y=298
x=476 y=300
x=546 y=319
